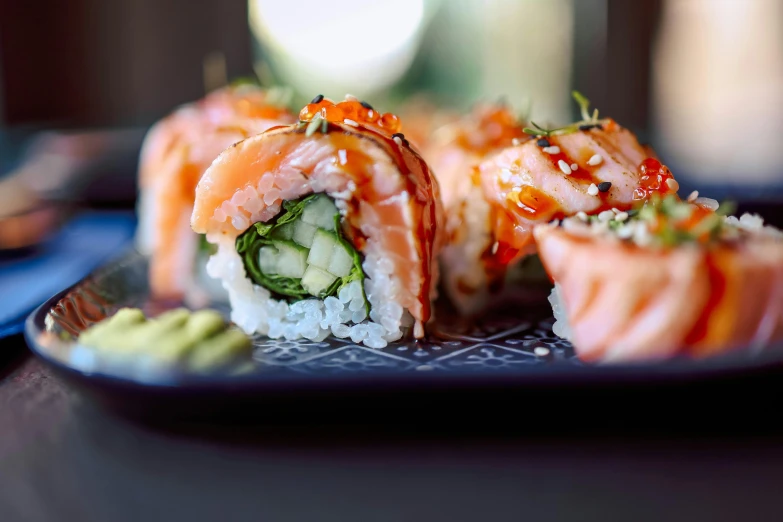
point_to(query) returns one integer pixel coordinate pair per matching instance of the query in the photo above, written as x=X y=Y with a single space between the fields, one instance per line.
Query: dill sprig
x=587 y=119
x=541 y=131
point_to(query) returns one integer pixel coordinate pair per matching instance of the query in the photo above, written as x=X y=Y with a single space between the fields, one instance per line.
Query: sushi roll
x=175 y=153
x=328 y=226
x=454 y=152
x=586 y=168
x=674 y=278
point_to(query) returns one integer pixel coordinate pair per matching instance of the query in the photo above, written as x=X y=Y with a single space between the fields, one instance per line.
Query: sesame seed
x=621 y=216
x=626 y=231
x=552 y=150
x=424 y=368
x=564 y=167
x=351 y=97
x=672 y=184
x=709 y=203
x=581 y=215
x=604 y=186
x=606 y=215
x=318 y=99
x=350 y=122
x=398 y=135
x=495 y=246
x=693 y=195
x=592 y=189
x=515 y=142
x=595 y=159
x=397 y=140
x=541 y=351
x=366 y=105
x=641 y=235
x=588 y=126
x=615 y=210
x=543 y=142
x=574 y=166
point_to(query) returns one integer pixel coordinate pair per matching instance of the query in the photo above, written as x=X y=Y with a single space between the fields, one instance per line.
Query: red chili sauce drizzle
x=420 y=184
x=717 y=282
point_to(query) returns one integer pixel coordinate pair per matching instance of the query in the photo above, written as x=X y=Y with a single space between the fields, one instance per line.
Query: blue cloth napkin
x=85 y=243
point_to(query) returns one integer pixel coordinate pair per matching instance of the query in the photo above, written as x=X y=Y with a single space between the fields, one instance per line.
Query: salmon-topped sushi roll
x=673 y=278
x=454 y=152
x=328 y=226
x=176 y=152
x=588 y=167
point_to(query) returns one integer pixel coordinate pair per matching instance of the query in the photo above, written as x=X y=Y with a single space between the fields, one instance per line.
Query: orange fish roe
x=350 y=112
x=654 y=178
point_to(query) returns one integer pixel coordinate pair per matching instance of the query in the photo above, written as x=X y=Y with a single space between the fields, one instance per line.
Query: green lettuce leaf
x=260 y=234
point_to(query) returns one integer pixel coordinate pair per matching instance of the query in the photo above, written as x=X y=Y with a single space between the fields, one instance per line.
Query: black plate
x=511 y=354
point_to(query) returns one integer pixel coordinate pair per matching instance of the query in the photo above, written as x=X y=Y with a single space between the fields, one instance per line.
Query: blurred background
x=701 y=80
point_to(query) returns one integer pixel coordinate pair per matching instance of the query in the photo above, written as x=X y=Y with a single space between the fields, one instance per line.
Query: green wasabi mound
x=198 y=340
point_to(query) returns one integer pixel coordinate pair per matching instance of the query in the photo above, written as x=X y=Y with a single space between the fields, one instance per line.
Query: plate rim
x=624 y=374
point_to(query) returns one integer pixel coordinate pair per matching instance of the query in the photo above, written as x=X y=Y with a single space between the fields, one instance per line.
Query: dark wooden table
x=61 y=458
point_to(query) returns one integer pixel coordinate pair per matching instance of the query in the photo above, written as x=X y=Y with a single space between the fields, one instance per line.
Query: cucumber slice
x=267 y=260
x=303 y=233
x=315 y=281
x=320 y=212
x=322 y=249
x=285 y=231
x=341 y=262
x=291 y=260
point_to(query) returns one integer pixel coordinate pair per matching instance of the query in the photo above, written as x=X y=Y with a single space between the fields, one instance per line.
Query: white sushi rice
x=255 y=311
x=145 y=231
x=468 y=226
x=561 y=328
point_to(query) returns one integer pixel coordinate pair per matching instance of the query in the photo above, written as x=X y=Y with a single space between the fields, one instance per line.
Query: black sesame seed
x=599 y=126
x=543 y=142
x=367 y=106
x=318 y=99
x=604 y=186
x=585 y=127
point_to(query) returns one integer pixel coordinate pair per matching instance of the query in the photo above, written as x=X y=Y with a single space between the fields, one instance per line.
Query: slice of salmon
x=629 y=303
x=391 y=202
x=531 y=184
x=175 y=154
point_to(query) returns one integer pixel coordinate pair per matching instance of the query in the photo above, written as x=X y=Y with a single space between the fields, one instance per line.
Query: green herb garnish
x=587 y=119
x=317 y=124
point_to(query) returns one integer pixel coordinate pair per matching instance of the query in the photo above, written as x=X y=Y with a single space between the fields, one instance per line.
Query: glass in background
x=455 y=52
x=718 y=90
